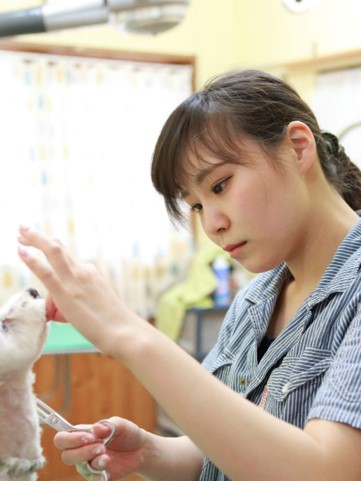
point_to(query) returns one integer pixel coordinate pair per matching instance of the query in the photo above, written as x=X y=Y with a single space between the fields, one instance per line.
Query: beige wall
x=225 y=34
x=298 y=45
x=209 y=32
x=276 y=35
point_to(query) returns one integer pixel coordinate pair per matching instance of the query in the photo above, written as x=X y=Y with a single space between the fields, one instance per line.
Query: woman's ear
x=303 y=143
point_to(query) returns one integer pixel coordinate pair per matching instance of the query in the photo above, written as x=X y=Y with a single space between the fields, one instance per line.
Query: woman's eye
x=196 y=208
x=219 y=187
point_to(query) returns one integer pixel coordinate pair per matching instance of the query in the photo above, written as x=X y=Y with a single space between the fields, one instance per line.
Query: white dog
x=23 y=331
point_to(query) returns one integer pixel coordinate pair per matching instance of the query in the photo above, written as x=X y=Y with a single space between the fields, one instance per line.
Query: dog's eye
x=4 y=326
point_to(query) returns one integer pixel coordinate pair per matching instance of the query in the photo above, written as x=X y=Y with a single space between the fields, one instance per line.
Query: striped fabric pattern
x=313 y=368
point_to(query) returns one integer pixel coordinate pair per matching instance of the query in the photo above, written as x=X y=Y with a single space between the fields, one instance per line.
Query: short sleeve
x=339 y=396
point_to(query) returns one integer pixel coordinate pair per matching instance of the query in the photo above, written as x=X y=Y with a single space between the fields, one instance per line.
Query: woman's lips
x=233 y=249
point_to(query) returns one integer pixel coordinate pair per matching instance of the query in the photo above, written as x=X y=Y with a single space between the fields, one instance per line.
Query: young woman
x=278 y=397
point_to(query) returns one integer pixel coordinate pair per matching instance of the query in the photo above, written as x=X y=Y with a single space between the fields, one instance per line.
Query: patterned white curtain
x=337 y=104
x=77 y=136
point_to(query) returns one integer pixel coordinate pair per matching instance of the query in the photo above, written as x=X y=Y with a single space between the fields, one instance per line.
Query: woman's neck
x=326 y=230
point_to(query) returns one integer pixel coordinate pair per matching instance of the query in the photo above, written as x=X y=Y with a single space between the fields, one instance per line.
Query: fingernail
x=101 y=463
x=99 y=450
x=88 y=438
x=24 y=227
x=23 y=252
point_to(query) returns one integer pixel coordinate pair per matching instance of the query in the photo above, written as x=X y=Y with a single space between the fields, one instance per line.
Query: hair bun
x=332 y=143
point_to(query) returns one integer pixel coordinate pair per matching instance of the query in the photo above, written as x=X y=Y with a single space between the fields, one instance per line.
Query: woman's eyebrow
x=200 y=176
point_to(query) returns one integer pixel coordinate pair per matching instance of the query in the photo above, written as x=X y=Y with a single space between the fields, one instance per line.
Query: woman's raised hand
x=78 y=292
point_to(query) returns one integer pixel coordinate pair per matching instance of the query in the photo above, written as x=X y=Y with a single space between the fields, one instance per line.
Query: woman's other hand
x=123 y=456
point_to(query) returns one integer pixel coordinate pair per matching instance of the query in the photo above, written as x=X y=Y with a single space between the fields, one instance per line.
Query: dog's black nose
x=34 y=293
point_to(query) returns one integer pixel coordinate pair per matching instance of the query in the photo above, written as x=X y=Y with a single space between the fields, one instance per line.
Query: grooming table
x=65 y=339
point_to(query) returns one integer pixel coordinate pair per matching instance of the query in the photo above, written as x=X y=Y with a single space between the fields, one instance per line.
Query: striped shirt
x=313 y=368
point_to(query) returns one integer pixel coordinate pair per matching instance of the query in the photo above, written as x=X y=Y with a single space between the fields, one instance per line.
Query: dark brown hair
x=246 y=103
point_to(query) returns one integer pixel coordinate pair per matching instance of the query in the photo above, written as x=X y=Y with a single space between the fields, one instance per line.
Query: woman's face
x=254 y=210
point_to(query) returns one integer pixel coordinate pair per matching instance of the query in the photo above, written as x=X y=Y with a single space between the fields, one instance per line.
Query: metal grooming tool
x=50 y=417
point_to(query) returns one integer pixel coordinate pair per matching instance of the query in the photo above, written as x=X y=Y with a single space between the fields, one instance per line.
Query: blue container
x=222 y=270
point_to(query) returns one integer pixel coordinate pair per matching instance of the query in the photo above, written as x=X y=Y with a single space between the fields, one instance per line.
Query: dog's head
x=23 y=331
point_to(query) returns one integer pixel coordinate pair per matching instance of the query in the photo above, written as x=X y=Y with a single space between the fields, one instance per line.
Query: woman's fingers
x=76 y=439
x=62 y=273
x=82 y=450
x=89 y=470
x=73 y=440
x=53 y=250
x=78 y=447
x=104 y=429
x=43 y=271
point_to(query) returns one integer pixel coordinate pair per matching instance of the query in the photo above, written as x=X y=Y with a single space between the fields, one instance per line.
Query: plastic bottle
x=222 y=270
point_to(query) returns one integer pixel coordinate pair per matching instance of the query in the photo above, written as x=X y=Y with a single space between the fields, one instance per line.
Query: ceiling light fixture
x=297 y=6
x=137 y=16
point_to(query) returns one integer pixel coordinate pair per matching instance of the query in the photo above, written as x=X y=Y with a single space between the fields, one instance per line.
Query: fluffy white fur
x=23 y=331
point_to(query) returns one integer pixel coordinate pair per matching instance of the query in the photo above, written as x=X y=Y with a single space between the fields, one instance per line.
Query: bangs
x=218 y=139
x=196 y=131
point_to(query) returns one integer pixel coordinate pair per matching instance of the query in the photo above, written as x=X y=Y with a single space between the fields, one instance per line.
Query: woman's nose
x=215 y=223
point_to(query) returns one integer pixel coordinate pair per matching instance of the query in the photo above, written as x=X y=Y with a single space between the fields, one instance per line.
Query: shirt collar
x=337 y=277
